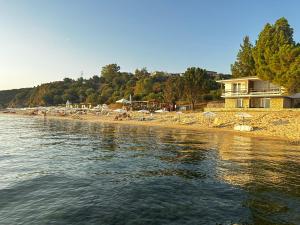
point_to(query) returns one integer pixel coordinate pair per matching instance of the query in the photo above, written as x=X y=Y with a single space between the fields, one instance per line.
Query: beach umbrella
x=144 y=111
x=243 y=116
x=209 y=115
x=179 y=113
x=161 y=111
x=123 y=101
x=97 y=107
x=120 y=111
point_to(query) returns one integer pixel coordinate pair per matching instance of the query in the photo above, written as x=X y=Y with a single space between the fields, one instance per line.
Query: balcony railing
x=252 y=92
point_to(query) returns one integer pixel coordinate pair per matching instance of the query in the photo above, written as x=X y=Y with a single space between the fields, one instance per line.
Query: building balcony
x=253 y=92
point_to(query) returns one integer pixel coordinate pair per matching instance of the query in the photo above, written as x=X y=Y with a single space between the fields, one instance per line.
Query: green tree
x=109 y=72
x=196 y=83
x=173 y=89
x=244 y=64
x=276 y=55
x=141 y=73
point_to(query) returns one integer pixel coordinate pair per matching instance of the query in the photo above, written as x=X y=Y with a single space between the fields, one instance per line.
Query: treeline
x=194 y=85
x=274 y=57
x=7 y=96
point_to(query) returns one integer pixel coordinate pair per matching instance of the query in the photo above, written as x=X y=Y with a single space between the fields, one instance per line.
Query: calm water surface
x=62 y=172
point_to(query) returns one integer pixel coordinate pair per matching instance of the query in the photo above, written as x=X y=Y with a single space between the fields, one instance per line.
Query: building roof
x=239 y=79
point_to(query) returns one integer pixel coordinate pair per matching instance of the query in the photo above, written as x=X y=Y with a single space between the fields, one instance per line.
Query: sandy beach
x=284 y=125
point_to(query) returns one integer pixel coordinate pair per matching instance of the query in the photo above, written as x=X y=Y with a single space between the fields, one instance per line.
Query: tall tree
x=276 y=55
x=196 y=82
x=141 y=73
x=109 y=72
x=244 y=65
x=173 y=89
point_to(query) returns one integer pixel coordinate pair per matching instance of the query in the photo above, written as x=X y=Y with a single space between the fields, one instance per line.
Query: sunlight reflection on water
x=63 y=172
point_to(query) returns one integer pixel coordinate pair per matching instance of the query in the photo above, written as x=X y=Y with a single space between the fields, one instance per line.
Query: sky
x=48 y=40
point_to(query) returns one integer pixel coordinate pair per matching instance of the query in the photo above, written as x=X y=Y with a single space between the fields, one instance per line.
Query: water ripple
x=66 y=172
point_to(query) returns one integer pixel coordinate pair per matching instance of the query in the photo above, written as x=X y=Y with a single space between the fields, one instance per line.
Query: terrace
x=250 y=87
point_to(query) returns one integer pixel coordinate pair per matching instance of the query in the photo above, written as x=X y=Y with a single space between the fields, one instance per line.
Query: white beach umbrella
x=123 y=101
x=144 y=111
x=120 y=111
x=161 y=111
x=243 y=115
x=209 y=114
x=179 y=113
x=130 y=99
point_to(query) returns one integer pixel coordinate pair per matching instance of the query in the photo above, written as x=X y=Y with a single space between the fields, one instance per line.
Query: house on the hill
x=252 y=92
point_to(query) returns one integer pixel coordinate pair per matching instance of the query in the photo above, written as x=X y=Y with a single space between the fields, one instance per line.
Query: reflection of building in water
x=235 y=154
x=246 y=160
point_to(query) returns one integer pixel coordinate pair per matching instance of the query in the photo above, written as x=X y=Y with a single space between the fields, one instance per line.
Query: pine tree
x=276 y=55
x=244 y=65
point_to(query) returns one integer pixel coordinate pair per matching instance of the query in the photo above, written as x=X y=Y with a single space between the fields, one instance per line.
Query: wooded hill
x=192 y=86
x=7 y=96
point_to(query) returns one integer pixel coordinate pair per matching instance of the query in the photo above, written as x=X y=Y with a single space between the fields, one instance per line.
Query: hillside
x=113 y=85
x=15 y=97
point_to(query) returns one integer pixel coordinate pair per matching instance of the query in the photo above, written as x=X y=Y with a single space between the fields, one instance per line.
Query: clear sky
x=47 y=40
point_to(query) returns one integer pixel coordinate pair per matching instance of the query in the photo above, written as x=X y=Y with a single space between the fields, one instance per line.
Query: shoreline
x=166 y=124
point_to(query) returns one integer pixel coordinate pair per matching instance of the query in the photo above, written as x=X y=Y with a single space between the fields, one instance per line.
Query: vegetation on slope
x=193 y=86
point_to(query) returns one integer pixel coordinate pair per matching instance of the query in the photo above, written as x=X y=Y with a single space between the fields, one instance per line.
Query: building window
x=236 y=87
x=265 y=103
x=239 y=103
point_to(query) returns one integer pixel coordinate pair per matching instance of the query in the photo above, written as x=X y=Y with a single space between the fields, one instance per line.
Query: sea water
x=71 y=172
